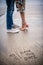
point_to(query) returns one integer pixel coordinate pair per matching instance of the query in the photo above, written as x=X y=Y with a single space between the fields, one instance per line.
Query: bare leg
x=24 y=25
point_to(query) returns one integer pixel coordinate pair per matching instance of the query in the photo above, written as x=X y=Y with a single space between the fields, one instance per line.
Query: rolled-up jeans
x=9 y=15
x=21 y=3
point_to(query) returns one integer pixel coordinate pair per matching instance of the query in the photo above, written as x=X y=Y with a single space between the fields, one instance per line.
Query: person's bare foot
x=24 y=26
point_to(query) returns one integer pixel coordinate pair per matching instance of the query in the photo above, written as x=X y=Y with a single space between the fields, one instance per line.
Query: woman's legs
x=21 y=7
x=24 y=24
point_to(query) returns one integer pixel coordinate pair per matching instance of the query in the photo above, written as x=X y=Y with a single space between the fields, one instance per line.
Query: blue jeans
x=9 y=16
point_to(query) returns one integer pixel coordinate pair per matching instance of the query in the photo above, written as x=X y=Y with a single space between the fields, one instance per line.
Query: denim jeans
x=9 y=15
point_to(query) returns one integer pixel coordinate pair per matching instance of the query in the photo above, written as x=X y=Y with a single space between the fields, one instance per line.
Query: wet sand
x=25 y=47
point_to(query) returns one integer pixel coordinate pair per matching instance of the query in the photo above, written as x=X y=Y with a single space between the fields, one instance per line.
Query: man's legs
x=10 y=10
x=9 y=18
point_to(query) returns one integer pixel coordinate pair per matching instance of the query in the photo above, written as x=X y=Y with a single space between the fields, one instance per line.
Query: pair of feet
x=15 y=28
x=24 y=26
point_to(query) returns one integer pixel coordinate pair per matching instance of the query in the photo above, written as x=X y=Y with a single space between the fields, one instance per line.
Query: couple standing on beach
x=20 y=4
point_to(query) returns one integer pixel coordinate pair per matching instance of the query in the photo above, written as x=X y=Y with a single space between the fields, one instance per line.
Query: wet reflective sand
x=25 y=47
